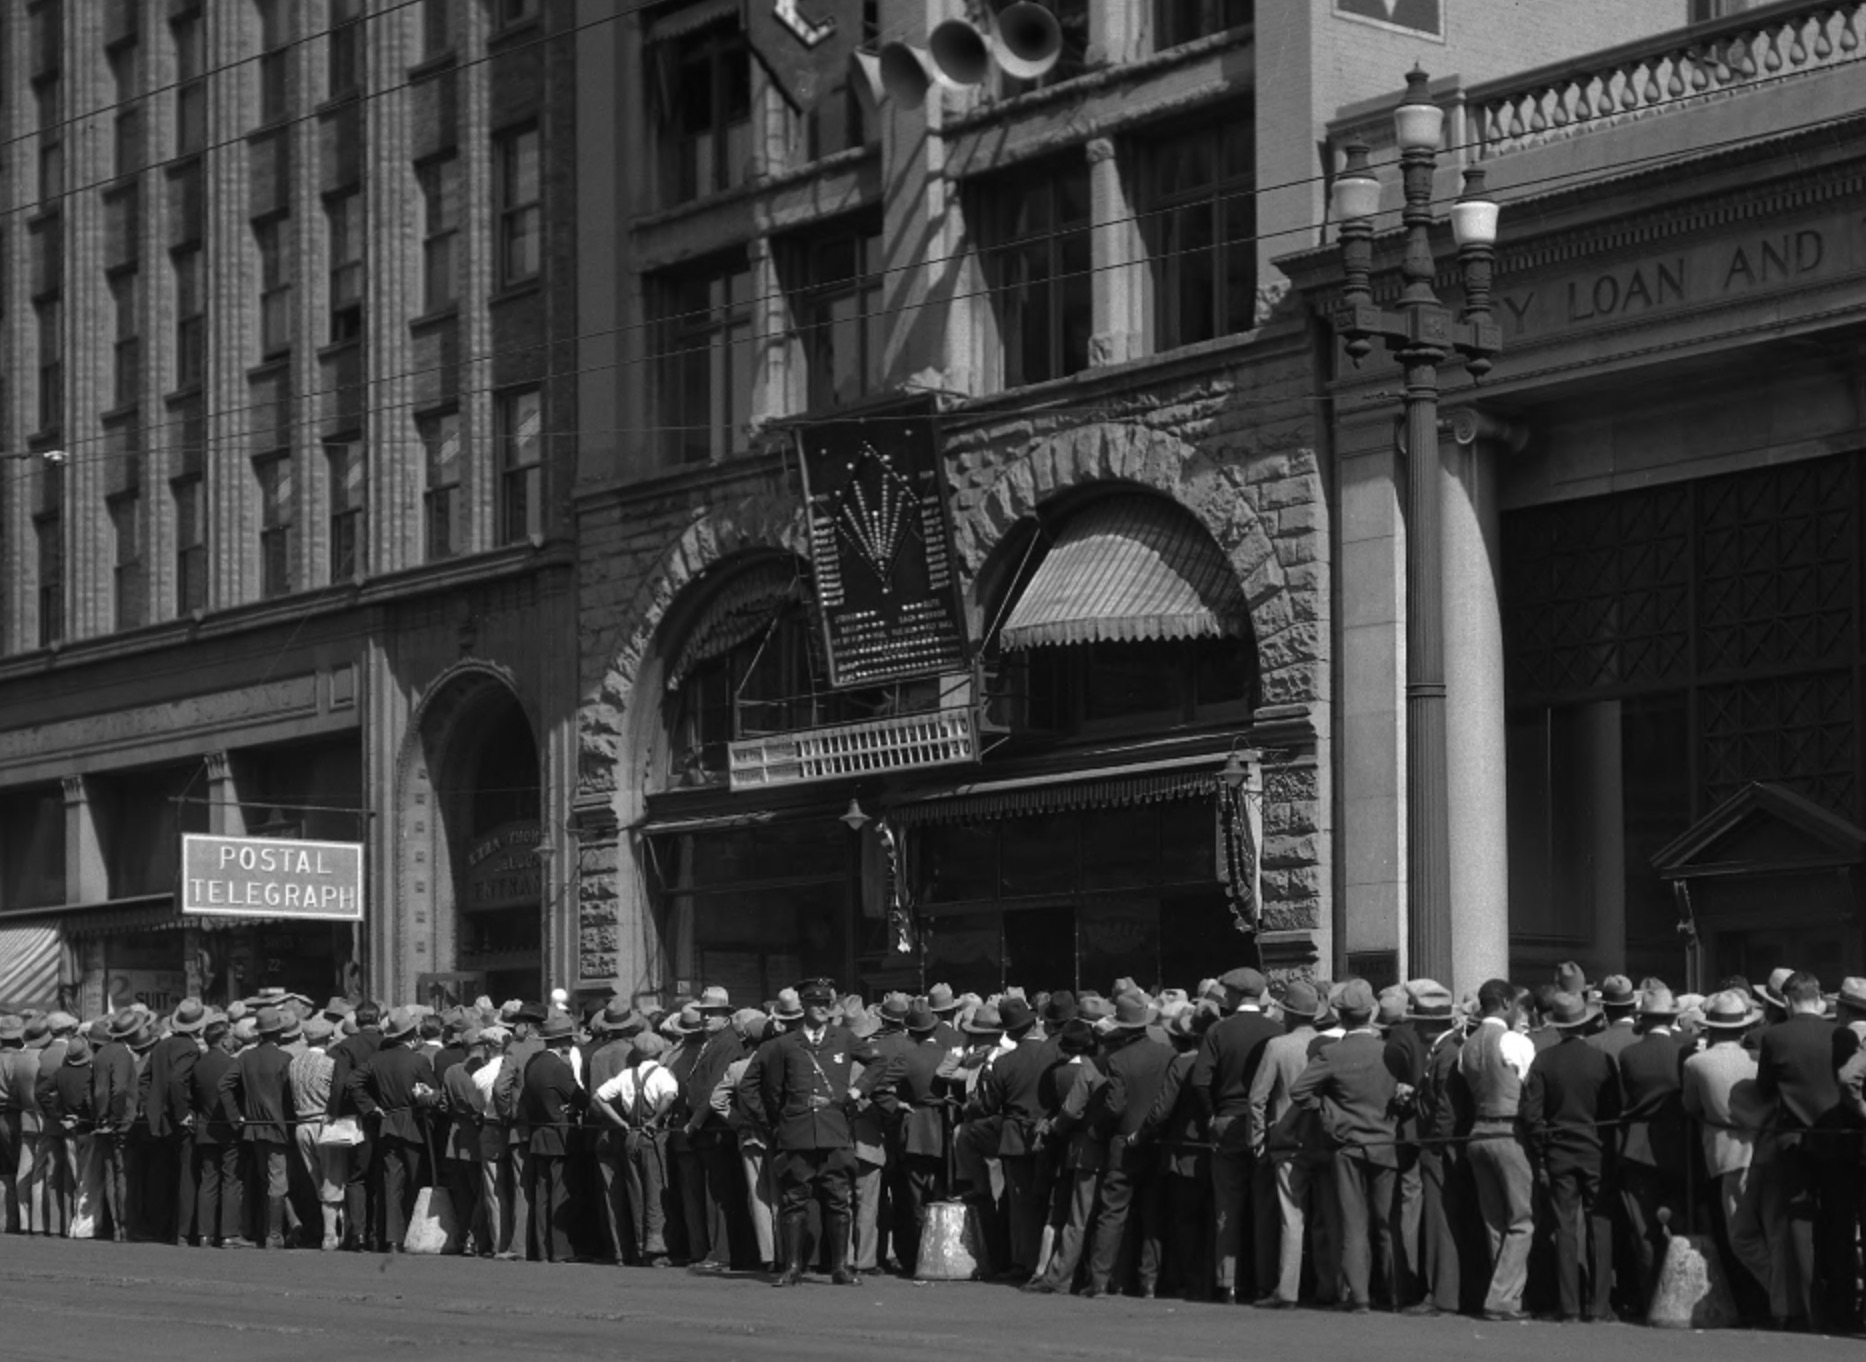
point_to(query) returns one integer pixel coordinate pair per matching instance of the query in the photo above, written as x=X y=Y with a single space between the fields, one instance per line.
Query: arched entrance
x=471 y=879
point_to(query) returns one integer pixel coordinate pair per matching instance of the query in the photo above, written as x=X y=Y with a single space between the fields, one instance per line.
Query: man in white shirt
x=1495 y=1063
x=636 y=1102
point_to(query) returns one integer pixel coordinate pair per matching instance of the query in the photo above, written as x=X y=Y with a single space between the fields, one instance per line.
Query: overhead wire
x=621 y=362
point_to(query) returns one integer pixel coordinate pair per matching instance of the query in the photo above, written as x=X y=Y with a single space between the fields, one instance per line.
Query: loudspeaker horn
x=961 y=53
x=1029 y=40
x=865 y=80
x=906 y=73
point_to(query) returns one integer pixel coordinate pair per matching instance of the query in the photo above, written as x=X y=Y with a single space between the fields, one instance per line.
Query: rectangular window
x=838 y=313
x=275 y=19
x=345 y=51
x=1180 y=21
x=273 y=237
x=49 y=317
x=1200 y=227
x=132 y=593
x=190 y=494
x=440 y=232
x=275 y=524
x=190 y=320
x=184 y=204
x=46 y=32
x=123 y=456
x=190 y=85
x=521 y=214
x=702 y=84
x=128 y=356
x=440 y=439
x=518 y=426
x=437 y=28
x=49 y=527
x=126 y=76
x=123 y=225
x=344 y=463
x=344 y=217
x=508 y=13
x=47 y=244
x=703 y=376
x=51 y=140
x=1036 y=254
x=187 y=420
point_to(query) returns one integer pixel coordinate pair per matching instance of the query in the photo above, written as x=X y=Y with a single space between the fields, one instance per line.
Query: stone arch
x=1219 y=494
x=430 y=797
x=712 y=535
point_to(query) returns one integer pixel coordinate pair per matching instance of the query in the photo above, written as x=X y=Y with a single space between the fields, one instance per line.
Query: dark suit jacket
x=1572 y=1087
x=549 y=1102
x=257 y=1087
x=347 y=1056
x=1174 y=1121
x=1652 y=1104
x=71 y=1096
x=1228 y=1062
x=1350 y=1087
x=922 y=1096
x=211 y=1126
x=113 y=1086
x=386 y=1087
x=1008 y=1090
x=1797 y=1063
x=1135 y=1070
x=803 y=1087
x=713 y=1056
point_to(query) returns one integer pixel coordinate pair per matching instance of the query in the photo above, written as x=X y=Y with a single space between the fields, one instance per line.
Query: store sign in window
x=271 y=877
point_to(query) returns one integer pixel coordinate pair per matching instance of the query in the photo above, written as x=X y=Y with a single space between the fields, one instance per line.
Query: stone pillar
x=1606 y=833
x=87 y=876
x=1474 y=740
x=225 y=817
x=1116 y=252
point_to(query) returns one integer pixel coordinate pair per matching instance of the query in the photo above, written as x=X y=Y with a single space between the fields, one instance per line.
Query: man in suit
x=508 y=1089
x=1071 y=1089
x=708 y=1164
x=214 y=1144
x=1127 y=1234
x=1650 y=1171
x=875 y=1129
x=1279 y=1134
x=113 y=1099
x=1619 y=1004
x=360 y=1180
x=1175 y=1127
x=1573 y=1089
x=392 y=1093
x=170 y=1073
x=919 y=1150
x=1797 y=1063
x=1008 y=1098
x=1227 y=1063
x=807 y=1078
x=1353 y=1093
x=1442 y=1108
x=550 y=1102
x=255 y=1095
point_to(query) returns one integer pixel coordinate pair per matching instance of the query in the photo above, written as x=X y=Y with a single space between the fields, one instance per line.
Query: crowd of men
x=1518 y=1151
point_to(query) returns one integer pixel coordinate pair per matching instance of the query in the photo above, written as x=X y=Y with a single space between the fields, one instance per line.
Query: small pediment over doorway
x=1762 y=828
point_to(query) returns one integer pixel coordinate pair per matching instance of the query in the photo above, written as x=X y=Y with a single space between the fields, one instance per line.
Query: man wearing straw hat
x=1733 y=1118
x=1128 y=1233
x=919 y=1155
x=392 y=1092
x=113 y=1099
x=255 y=1094
x=171 y=1170
x=1572 y=1093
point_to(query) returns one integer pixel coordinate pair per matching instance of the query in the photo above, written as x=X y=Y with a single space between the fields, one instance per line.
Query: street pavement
x=66 y=1299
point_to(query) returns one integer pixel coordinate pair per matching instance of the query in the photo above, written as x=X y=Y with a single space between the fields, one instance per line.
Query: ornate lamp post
x=1421 y=334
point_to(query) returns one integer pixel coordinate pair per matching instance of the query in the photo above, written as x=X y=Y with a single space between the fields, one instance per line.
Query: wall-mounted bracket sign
x=271 y=877
x=881 y=545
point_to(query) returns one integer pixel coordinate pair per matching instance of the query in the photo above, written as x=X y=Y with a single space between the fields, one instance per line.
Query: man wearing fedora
x=1177 y=1129
x=1572 y=1092
x=1442 y=1108
x=1495 y=1061
x=1619 y=1004
x=170 y=1071
x=1227 y=1063
x=113 y=1096
x=1072 y=1089
x=1280 y=1136
x=1009 y=1099
x=875 y=1130
x=29 y=1182
x=13 y=1054
x=392 y=1093
x=255 y=1093
x=1720 y=1094
x=1127 y=1236
x=706 y=1151
x=550 y=1103
x=919 y=1153
x=1650 y=1171
x=361 y=1180
x=612 y=1031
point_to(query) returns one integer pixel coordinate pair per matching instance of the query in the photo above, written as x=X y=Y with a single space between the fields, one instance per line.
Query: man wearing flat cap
x=1243 y=1196
x=807 y=1079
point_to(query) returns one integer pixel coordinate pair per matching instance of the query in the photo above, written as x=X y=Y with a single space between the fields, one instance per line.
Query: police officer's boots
x=790 y=1253
x=836 y=1231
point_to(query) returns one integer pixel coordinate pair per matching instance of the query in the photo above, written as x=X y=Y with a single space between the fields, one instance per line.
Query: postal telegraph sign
x=271 y=877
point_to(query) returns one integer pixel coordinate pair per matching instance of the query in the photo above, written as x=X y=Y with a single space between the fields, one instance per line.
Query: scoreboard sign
x=271 y=877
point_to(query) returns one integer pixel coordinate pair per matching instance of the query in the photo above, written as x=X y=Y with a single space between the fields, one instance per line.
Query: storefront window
x=1107 y=687
x=32 y=848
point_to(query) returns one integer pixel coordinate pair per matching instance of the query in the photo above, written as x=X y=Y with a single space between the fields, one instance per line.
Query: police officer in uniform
x=807 y=1081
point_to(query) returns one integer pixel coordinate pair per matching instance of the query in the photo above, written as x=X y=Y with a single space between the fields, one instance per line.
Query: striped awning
x=29 y=968
x=1126 y=570
x=741 y=611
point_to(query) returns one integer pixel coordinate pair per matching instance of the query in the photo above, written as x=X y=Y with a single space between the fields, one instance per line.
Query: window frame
x=343 y=51
x=521 y=480
x=345 y=466
x=438 y=181
x=126 y=348
x=816 y=329
x=1229 y=195
x=1066 y=284
x=346 y=228
x=518 y=220
x=129 y=580
x=685 y=153
x=277 y=274
x=682 y=335
x=277 y=486
x=442 y=501
x=1178 y=22
x=49 y=321
x=188 y=492
x=274 y=60
x=188 y=33
x=48 y=103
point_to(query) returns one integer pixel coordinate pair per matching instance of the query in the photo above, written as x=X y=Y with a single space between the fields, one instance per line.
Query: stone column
x=87 y=876
x=1474 y=739
x=225 y=817
x=1116 y=252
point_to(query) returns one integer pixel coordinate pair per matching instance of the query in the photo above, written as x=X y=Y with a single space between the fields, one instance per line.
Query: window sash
x=521 y=218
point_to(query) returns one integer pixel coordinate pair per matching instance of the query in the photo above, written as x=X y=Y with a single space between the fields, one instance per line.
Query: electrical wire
x=920 y=264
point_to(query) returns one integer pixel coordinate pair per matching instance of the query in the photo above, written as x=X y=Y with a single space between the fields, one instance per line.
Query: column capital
x=1470 y=424
x=1099 y=149
x=74 y=789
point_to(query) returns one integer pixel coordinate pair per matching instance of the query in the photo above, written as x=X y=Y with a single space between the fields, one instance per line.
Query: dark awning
x=742 y=610
x=1115 y=787
x=1129 y=570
